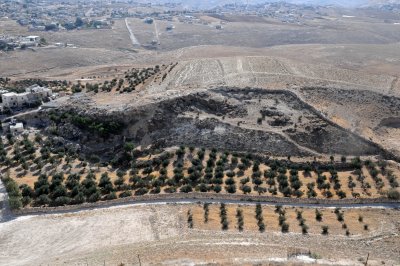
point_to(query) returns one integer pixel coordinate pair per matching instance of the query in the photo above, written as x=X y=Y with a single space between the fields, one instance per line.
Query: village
x=33 y=97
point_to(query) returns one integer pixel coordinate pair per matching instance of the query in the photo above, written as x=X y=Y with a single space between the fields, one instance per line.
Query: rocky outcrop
x=223 y=118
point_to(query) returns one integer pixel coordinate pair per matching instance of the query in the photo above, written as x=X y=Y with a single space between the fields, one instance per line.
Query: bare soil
x=159 y=235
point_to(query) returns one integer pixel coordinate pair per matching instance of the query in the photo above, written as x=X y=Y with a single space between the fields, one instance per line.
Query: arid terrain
x=159 y=235
x=236 y=107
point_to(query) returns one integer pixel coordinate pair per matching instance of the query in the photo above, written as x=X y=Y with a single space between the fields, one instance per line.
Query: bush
x=285 y=227
x=231 y=189
x=170 y=190
x=318 y=215
x=186 y=189
x=125 y=194
x=246 y=189
x=94 y=197
x=141 y=191
x=304 y=229
x=14 y=195
x=393 y=194
x=15 y=203
x=42 y=200
x=190 y=219
x=26 y=201
x=217 y=188
x=79 y=198
x=110 y=196
x=325 y=230
x=61 y=201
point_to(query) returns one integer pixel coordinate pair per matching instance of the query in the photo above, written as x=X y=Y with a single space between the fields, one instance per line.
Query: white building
x=30 y=41
x=9 y=99
x=16 y=128
x=41 y=92
x=13 y=127
x=31 y=95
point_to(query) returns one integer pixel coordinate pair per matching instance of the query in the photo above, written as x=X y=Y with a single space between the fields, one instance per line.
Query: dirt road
x=134 y=40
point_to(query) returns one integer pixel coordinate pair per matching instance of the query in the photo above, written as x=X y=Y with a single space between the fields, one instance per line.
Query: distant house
x=13 y=127
x=31 y=41
x=39 y=92
x=31 y=95
x=9 y=100
x=16 y=128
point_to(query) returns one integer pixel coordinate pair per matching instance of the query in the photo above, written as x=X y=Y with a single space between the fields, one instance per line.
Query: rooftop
x=9 y=94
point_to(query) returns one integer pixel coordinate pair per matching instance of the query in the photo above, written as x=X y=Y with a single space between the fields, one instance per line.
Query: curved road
x=88 y=207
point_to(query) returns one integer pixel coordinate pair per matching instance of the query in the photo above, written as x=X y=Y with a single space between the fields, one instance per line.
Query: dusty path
x=157 y=36
x=211 y=199
x=133 y=38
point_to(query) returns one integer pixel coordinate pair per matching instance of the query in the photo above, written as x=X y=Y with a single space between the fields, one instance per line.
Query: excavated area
x=274 y=123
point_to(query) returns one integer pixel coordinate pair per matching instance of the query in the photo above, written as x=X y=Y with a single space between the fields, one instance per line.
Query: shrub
x=94 y=197
x=304 y=229
x=141 y=191
x=285 y=227
x=26 y=201
x=224 y=219
x=393 y=194
x=42 y=200
x=14 y=195
x=61 y=201
x=325 y=230
x=246 y=189
x=340 y=217
x=217 y=188
x=341 y=194
x=240 y=222
x=190 y=219
x=125 y=194
x=186 y=189
x=231 y=189
x=15 y=203
x=79 y=198
x=170 y=190
x=110 y=196
x=206 y=211
x=318 y=215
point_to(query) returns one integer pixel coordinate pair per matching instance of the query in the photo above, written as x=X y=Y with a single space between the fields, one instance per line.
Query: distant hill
x=343 y=3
